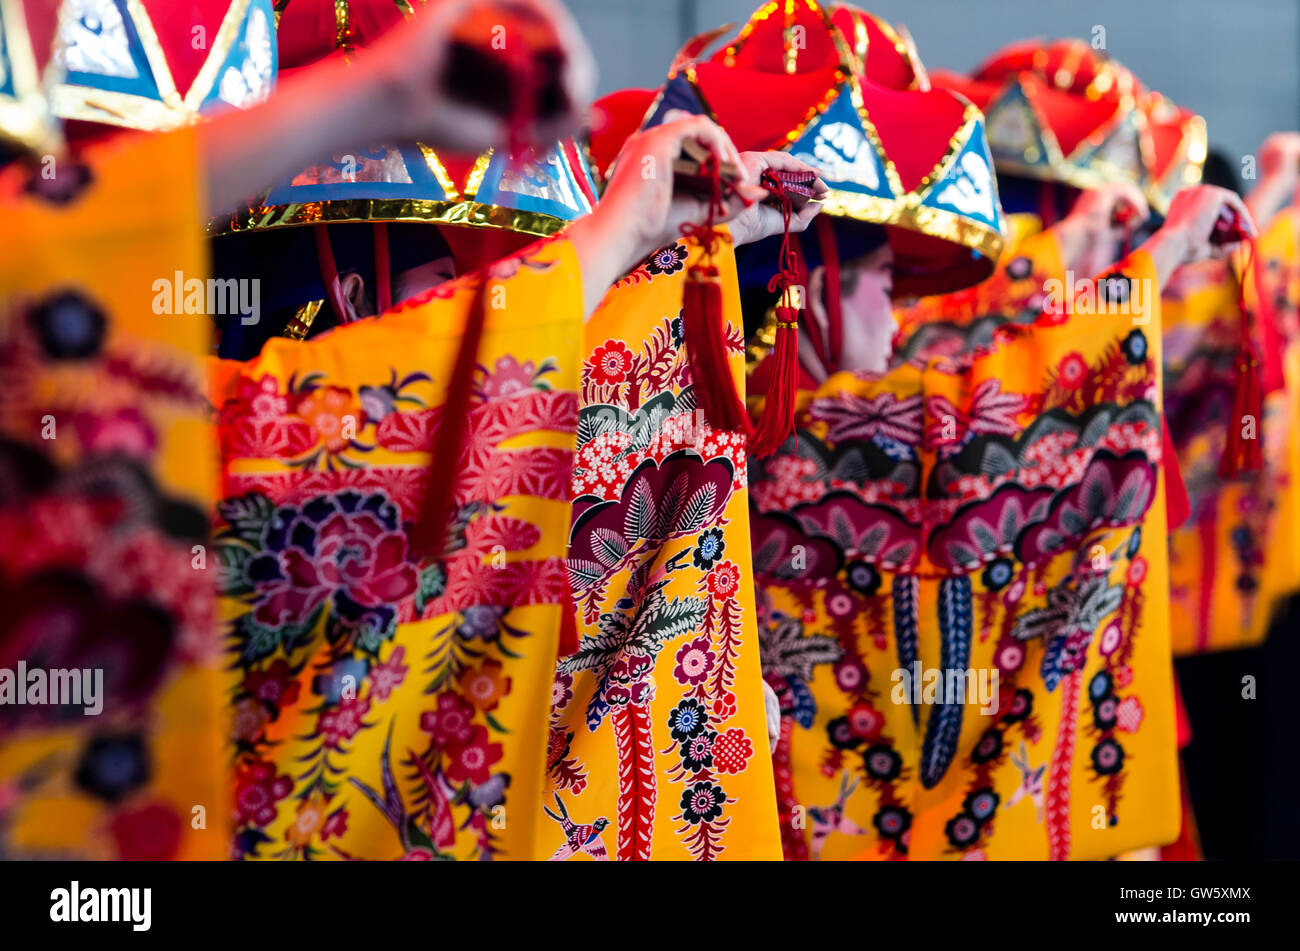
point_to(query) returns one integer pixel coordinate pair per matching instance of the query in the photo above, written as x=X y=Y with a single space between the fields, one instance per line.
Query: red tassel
x=429 y=533
x=776 y=422
x=1178 y=504
x=706 y=351
x=1244 y=452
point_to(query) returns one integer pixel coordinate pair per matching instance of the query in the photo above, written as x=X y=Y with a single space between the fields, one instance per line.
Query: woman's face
x=869 y=325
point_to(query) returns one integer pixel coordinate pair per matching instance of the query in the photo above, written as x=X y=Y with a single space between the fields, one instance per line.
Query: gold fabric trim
x=224 y=41
x=366 y=210
x=299 y=324
x=934 y=222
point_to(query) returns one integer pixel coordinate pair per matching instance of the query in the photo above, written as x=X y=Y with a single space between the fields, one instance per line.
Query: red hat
x=1062 y=111
x=382 y=183
x=159 y=64
x=911 y=159
x=887 y=53
x=27 y=71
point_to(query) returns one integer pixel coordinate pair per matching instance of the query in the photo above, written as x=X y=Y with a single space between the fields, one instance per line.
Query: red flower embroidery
x=343 y=723
x=611 y=363
x=471 y=761
x=257 y=790
x=449 y=721
x=865 y=721
x=731 y=751
x=334 y=415
x=484 y=686
x=694 y=661
x=388 y=676
x=724 y=580
x=274 y=685
x=1137 y=571
x=1072 y=371
x=335 y=825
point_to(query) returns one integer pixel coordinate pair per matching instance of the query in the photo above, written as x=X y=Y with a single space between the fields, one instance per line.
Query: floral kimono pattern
x=947 y=325
x=1001 y=518
x=657 y=728
x=1236 y=554
x=106 y=472
x=388 y=705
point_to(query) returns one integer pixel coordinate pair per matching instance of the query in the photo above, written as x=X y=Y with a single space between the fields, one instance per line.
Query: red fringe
x=706 y=351
x=776 y=422
x=383 y=269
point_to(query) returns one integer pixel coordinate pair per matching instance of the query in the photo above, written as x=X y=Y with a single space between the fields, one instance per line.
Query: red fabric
x=42 y=18
x=915 y=128
x=885 y=64
x=308 y=30
x=980 y=93
x=786 y=99
x=613 y=119
x=1071 y=118
x=1177 y=504
x=176 y=25
x=764 y=49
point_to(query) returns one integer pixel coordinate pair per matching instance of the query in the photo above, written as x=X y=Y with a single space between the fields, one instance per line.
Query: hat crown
x=156 y=64
x=539 y=193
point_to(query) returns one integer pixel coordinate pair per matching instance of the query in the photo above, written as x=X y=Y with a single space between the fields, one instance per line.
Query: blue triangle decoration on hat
x=103 y=51
x=969 y=188
x=837 y=145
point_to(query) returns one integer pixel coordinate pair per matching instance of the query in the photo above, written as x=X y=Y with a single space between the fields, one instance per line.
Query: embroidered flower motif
x=962 y=830
x=274 y=685
x=892 y=822
x=471 y=761
x=1072 y=371
x=697 y=752
x=1108 y=757
x=1111 y=638
x=257 y=790
x=1022 y=704
x=981 y=804
x=484 y=686
x=449 y=721
x=113 y=766
x=331 y=411
x=339 y=725
x=865 y=721
x=1128 y=715
x=732 y=750
x=694 y=662
x=702 y=803
x=561 y=691
x=249 y=719
x=724 y=580
x=862 y=578
x=309 y=820
x=508 y=378
x=611 y=363
x=882 y=762
x=1135 y=347
x=126 y=431
x=68 y=326
x=687 y=719
x=388 y=676
x=667 y=260
x=708 y=549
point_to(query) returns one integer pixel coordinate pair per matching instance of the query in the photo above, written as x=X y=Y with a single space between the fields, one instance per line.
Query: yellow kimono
x=1237 y=553
x=389 y=706
x=961 y=577
x=108 y=473
x=657 y=728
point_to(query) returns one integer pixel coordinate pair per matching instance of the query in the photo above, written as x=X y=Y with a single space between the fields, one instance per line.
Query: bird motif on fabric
x=830 y=819
x=578 y=838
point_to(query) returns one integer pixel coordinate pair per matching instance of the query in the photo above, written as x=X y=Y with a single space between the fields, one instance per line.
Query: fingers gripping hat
x=28 y=71
x=912 y=159
x=536 y=195
x=161 y=64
